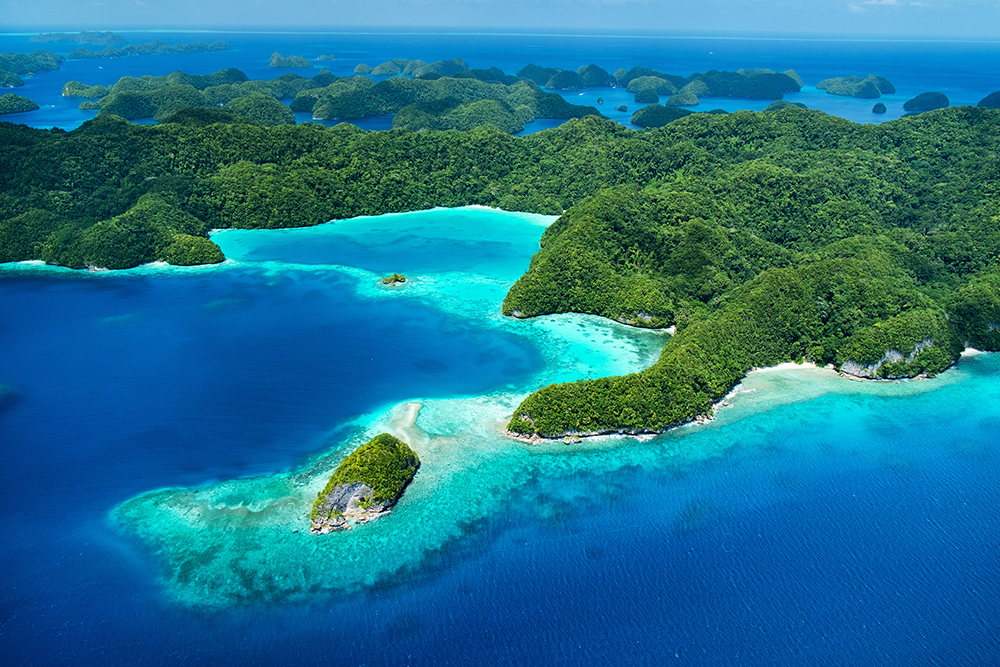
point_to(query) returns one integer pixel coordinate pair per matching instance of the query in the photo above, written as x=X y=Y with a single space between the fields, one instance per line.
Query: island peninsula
x=762 y=237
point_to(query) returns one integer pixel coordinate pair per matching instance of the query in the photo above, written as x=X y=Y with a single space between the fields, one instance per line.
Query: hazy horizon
x=886 y=19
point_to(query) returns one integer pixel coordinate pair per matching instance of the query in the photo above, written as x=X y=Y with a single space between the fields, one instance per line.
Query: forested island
x=14 y=65
x=441 y=95
x=159 y=97
x=103 y=38
x=394 y=279
x=156 y=47
x=280 y=61
x=436 y=103
x=763 y=237
x=365 y=486
x=649 y=84
x=927 y=102
x=11 y=103
x=869 y=87
x=991 y=101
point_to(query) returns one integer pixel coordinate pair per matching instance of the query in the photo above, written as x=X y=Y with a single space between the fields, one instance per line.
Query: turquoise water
x=165 y=431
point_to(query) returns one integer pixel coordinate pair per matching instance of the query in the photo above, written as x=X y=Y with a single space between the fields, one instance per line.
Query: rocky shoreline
x=347 y=505
x=369 y=481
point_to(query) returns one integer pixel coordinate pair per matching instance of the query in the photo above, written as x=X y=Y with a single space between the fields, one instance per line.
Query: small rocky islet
x=394 y=279
x=365 y=485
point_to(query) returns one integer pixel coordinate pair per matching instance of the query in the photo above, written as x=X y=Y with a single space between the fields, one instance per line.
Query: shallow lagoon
x=818 y=519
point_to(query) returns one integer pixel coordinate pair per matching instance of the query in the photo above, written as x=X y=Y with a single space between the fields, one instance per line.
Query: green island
x=11 y=103
x=869 y=87
x=433 y=103
x=649 y=84
x=447 y=102
x=28 y=64
x=442 y=95
x=926 y=102
x=657 y=115
x=280 y=61
x=991 y=101
x=156 y=47
x=394 y=279
x=763 y=238
x=784 y=104
x=419 y=69
x=365 y=486
x=103 y=38
x=159 y=97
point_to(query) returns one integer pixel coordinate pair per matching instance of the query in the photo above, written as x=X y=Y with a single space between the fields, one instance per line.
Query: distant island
x=86 y=37
x=419 y=69
x=784 y=104
x=657 y=115
x=869 y=87
x=159 y=97
x=156 y=47
x=440 y=95
x=11 y=103
x=648 y=85
x=278 y=60
x=586 y=76
x=926 y=102
x=365 y=485
x=394 y=279
x=438 y=103
x=417 y=107
x=27 y=64
x=991 y=101
x=10 y=80
x=77 y=89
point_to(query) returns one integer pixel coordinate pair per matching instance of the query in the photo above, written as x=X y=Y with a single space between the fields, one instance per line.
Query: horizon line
x=514 y=32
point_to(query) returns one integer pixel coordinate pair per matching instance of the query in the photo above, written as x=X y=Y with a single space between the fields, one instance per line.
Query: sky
x=960 y=19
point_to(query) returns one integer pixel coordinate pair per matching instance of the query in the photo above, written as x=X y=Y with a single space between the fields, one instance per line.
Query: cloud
x=881 y=2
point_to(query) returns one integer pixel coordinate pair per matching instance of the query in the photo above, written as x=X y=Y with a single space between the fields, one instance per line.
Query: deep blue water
x=852 y=529
x=121 y=384
x=965 y=71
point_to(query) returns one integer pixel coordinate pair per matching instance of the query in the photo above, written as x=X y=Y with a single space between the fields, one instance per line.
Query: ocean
x=163 y=431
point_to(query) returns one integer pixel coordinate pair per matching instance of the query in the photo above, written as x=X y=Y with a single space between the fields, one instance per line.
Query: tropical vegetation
x=385 y=464
x=763 y=237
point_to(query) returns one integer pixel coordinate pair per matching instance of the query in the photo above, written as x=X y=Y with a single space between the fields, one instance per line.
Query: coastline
x=815 y=381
